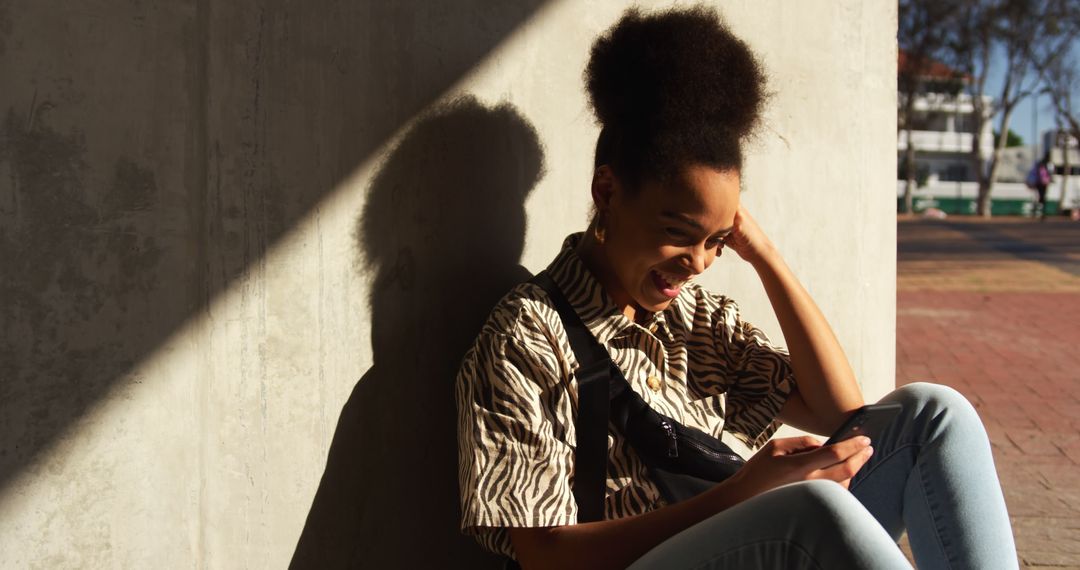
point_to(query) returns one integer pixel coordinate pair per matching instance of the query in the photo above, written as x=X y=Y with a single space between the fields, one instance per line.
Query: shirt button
x=653 y=327
x=653 y=383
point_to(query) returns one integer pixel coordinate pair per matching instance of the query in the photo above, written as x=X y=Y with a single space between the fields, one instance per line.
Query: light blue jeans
x=931 y=473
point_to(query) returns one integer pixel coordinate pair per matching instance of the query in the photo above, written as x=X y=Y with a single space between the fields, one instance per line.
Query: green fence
x=966 y=206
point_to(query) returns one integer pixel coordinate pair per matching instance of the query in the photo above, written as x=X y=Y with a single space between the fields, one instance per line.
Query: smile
x=667 y=283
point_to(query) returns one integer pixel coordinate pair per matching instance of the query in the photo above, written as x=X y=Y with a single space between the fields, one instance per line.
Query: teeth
x=672 y=280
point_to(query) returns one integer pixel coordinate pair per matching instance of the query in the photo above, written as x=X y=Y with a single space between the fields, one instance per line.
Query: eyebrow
x=691 y=222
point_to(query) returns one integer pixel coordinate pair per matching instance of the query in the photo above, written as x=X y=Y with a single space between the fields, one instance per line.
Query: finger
x=846 y=469
x=787 y=445
x=828 y=455
x=851 y=446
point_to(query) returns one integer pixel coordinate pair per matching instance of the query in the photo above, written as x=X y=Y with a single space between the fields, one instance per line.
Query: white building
x=1014 y=162
x=943 y=132
x=943 y=128
x=1059 y=142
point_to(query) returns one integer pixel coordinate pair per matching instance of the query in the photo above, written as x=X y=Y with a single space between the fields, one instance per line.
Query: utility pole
x=1035 y=128
x=1065 y=138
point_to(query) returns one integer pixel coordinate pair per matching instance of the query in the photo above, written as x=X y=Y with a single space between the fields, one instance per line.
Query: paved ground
x=992 y=308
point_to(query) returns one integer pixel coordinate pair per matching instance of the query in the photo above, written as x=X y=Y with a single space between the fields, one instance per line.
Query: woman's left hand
x=747 y=238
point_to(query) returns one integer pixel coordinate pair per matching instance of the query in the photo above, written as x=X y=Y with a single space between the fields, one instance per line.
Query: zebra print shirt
x=697 y=361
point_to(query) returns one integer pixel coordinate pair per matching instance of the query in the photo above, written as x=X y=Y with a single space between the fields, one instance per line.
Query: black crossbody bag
x=682 y=461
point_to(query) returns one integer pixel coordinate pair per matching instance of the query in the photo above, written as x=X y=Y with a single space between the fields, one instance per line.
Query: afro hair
x=672 y=88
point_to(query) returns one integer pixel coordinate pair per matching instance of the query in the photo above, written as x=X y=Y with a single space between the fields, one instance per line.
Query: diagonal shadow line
x=278 y=102
x=1058 y=244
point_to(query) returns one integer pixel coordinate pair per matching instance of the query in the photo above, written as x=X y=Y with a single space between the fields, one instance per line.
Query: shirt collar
x=588 y=298
x=657 y=322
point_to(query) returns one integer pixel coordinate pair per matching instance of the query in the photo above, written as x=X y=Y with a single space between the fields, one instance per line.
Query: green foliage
x=1011 y=139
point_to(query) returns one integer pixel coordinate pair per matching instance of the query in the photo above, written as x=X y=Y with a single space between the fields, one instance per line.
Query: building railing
x=941 y=141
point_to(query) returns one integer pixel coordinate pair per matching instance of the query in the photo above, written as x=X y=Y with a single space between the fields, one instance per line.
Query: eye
x=675 y=232
x=717 y=242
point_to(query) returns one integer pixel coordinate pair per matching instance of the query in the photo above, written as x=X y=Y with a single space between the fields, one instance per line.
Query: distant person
x=677 y=93
x=1038 y=179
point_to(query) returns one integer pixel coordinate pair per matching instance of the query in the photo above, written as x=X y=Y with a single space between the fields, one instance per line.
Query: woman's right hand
x=792 y=459
x=615 y=543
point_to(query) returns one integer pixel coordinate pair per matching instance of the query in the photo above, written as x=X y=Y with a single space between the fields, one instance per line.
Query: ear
x=605 y=187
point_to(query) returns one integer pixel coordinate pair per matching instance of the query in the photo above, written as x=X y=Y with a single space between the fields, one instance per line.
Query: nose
x=698 y=258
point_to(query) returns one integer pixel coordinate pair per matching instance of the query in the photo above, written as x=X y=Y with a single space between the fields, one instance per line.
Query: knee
x=936 y=403
x=919 y=395
x=825 y=501
x=827 y=521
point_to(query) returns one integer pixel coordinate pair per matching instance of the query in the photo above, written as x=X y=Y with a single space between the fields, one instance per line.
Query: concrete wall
x=240 y=253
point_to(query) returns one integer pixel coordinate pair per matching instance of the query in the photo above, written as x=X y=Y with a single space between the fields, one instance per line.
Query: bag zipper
x=673 y=442
x=717 y=454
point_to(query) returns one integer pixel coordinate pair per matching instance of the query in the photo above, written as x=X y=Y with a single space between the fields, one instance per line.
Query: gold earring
x=598 y=227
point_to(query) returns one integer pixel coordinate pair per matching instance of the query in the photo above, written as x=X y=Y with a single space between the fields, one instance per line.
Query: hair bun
x=676 y=70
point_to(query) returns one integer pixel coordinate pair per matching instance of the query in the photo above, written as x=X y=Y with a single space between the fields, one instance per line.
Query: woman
x=1039 y=178
x=677 y=94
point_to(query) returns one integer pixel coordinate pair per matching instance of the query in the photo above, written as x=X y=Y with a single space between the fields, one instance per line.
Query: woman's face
x=658 y=238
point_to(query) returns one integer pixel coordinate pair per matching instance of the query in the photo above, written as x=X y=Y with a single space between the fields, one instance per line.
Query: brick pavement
x=992 y=308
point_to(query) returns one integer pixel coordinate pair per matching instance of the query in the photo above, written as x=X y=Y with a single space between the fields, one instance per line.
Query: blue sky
x=1028 y=114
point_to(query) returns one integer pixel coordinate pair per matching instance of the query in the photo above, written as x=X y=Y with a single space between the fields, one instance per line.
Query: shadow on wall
x=142 y=176
x=444 y=229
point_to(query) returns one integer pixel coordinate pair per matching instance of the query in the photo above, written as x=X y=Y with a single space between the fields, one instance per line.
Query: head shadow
x=441 y=234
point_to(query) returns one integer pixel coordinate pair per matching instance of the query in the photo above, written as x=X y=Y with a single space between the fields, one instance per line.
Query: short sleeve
x=514 y=461
x=759 y=374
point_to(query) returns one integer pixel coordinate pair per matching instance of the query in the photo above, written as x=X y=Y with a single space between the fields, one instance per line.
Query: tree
x=1060 y=72
x=1011 y=139
x=1061 y=76
x=923 y=37
x=1064 y=92
x=1062 y=80
x=1029 y=37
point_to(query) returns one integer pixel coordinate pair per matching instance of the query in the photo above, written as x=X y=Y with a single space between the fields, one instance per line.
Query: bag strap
x=604 y=396
x=591 y=424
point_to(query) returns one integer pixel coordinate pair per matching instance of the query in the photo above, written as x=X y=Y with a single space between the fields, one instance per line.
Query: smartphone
x=868 y=420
